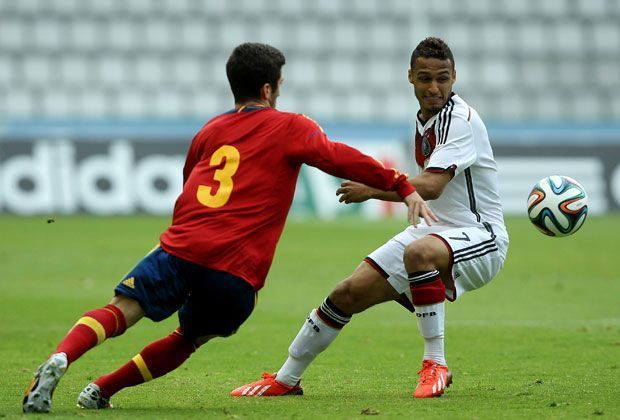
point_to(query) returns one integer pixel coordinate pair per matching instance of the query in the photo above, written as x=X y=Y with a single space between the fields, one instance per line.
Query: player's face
x=275 y=93
x=432 y=81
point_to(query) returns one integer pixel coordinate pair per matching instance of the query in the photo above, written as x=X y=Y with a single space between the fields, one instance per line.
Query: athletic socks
x=431 y=325
x=428 y=295
x=317 y=333
x=92 y=329
x=155 y=360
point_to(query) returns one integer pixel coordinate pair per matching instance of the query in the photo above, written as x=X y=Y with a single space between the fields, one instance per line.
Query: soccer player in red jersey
x=239 y=180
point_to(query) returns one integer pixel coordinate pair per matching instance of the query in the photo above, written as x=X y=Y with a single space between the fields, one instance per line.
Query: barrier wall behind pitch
x=65 y=175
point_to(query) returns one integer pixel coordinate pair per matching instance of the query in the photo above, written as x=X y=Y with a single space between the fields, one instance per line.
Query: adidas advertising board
x=122 y=176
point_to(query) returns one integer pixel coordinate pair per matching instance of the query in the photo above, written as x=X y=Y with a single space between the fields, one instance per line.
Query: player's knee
x=199 y=341
x=345 y=296
x=418 y=257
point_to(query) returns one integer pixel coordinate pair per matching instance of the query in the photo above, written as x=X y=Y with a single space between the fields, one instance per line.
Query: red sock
x=155 y=360
x=92 y=329
x=426 y=287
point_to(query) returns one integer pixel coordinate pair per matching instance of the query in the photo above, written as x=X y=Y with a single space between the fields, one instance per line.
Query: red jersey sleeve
x=308 y=144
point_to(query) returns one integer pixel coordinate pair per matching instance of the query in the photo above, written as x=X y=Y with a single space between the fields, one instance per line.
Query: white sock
x=313 y=337
x=431 y=319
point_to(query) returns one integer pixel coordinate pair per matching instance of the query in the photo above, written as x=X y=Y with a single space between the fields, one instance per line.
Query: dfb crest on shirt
x=426 y=145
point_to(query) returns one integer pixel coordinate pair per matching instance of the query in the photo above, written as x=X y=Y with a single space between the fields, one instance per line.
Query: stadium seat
x=130 y=103
x=303 y=71
x=12 y=34
x=532 y=38
x=193 y=36
x=158 y=35
x=568 y=37
x=495 y=37
x=20 y=104
x=606 y=37
x=496 y=72
x=112 y=70
x=554 y=9
x=346 y=37
x=516 y=9
x=592 y=8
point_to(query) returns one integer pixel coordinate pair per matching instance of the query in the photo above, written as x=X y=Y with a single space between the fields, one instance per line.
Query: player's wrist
x=404 y=188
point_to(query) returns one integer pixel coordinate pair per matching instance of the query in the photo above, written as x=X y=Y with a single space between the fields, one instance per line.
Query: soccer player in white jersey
x=425 y=264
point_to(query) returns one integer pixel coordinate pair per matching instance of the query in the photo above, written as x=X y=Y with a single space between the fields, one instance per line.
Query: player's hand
x=353 y=192
x=416 y=208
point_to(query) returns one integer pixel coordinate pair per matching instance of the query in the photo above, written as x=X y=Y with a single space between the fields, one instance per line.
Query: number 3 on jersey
x=223 y=176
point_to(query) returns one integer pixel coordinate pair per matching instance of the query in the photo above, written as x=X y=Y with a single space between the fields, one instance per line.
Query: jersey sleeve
x=457 y=151
x=310 y=145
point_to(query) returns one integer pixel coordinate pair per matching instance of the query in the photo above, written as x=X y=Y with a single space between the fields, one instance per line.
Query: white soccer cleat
x=38 y=396
x=91 y=399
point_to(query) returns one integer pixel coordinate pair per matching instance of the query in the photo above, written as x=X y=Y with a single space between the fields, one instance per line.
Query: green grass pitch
x=541 y=341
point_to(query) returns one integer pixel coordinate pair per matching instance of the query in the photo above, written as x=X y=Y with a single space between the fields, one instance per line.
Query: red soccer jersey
x=239 y=181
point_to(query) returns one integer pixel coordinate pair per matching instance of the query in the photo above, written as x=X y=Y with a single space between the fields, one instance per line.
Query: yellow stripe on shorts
x=94 y=325
x=142 y=367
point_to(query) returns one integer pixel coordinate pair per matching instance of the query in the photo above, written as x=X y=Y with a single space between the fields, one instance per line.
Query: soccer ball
x=557 y=205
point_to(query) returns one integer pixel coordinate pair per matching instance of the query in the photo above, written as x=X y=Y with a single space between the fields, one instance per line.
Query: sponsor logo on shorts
x=129 y=282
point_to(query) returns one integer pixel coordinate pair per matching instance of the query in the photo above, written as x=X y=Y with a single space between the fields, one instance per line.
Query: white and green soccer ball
x=557 y=205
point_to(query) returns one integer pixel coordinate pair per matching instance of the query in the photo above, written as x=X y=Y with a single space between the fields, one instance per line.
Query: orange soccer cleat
x=267 y=387
x=434 y=379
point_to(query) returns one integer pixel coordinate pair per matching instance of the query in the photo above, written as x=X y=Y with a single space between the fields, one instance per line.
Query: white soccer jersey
x=456 y=139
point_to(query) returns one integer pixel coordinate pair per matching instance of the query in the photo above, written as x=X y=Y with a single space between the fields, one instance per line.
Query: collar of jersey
x=430 y=121
x=246 y=109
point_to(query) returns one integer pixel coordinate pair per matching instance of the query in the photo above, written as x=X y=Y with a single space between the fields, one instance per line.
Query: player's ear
x=453 y=75
x=410 y=76
x=265 y=92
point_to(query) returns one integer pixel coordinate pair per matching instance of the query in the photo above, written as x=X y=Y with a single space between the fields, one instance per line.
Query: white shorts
x=476 y=256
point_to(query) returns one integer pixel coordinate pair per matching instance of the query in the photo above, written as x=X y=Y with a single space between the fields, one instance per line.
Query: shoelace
x=428 y=374
x=267 y=375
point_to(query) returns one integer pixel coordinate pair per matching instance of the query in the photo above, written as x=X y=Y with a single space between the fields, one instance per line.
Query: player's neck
x=253 y=103
x=426 y=115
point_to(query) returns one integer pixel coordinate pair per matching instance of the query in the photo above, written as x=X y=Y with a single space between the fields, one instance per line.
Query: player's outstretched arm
x=355 y=192
x=429 y=185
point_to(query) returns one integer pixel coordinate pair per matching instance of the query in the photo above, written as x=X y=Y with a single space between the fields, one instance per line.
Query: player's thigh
x=154 y=283
x=476 y=256
x=218 y=304
x=364 y=288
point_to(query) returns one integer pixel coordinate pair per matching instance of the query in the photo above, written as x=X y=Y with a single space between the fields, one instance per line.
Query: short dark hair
x=250 y=66
x=432 y=47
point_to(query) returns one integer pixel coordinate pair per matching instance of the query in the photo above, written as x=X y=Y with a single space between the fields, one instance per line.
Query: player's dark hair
x=432 y=47
x=250 y=66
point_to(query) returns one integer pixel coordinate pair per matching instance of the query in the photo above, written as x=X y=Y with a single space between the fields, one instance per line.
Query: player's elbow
x=430 y=192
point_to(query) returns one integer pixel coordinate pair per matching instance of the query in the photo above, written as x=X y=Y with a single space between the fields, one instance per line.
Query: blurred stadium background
x=100 y=98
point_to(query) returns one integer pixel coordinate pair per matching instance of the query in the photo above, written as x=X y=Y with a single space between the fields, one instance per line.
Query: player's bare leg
x=92 y=329
x=363 y=289
x=426 y=259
